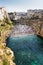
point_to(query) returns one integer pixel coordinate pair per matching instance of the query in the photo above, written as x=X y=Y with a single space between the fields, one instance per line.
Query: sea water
x=28 y=50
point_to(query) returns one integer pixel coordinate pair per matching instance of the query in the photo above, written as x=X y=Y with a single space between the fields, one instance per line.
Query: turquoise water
x=28 y=50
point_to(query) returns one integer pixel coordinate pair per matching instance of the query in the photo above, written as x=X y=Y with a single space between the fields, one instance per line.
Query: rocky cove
x=22 y=40
x=6 y=54
x=27 y=47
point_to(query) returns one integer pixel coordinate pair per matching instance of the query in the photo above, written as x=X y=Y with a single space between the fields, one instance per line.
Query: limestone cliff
x=38 y=28
x=6 y=54
x=35 y=22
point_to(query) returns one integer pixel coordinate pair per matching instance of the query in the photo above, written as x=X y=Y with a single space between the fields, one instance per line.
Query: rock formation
x=36 y=24
x=38 y=28
x=6 y=54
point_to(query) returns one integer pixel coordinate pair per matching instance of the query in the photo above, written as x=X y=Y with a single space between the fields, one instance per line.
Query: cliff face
x=4 y=18
x=38 y=28
x=36 y=24
x=6 y=55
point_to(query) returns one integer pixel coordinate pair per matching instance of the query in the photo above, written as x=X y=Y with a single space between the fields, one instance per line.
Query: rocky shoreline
x=6 y=54
x=21 y=30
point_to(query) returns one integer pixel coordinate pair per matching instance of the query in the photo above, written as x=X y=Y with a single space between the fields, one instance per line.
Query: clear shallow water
x=28 y=50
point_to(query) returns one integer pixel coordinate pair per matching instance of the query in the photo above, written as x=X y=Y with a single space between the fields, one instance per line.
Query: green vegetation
x=6 y=62
x=5 y=27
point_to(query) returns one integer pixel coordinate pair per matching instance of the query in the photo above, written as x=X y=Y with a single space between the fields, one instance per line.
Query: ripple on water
x=27 y=50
